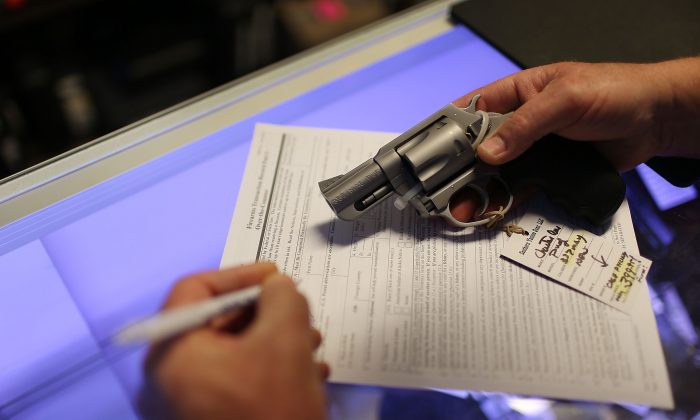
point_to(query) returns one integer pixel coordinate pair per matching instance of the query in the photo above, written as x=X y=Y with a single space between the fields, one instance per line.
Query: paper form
x=401 y=301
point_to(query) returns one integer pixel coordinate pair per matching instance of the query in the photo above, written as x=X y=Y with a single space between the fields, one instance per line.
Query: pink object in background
x=329 y=10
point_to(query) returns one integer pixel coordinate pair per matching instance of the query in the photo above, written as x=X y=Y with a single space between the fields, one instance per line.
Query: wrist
x=677 y=107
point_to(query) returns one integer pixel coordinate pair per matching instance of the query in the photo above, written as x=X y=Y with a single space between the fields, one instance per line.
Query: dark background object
x=537 y=32
x=572 y=174
x=73 y=70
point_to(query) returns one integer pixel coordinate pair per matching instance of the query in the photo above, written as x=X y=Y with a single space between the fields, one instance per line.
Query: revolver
x=431 y=162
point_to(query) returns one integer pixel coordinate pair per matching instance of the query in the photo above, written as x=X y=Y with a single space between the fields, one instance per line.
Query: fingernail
x=493 y=146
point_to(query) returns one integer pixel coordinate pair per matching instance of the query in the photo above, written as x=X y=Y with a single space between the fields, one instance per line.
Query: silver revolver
x=428 y=164
x=423 y=167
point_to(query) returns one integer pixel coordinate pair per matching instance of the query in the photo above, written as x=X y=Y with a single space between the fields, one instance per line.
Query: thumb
x=547 y=112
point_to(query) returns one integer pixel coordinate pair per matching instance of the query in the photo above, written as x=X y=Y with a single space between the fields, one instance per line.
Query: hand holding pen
x=243 y=358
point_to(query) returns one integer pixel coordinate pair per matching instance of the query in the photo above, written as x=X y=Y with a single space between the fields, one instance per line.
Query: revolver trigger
x=490 y=217
x=483 y=195
x=483 y=203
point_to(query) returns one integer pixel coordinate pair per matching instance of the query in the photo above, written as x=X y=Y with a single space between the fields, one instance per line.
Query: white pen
x=175 y=321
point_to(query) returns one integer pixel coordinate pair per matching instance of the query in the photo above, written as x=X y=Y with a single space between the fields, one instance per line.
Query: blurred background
x=73 y=70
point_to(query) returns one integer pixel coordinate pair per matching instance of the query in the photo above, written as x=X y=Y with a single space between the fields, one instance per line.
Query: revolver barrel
x=354 y=193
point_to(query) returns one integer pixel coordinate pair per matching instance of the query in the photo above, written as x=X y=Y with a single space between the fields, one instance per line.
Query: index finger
x=507 y=94
x=204 y=286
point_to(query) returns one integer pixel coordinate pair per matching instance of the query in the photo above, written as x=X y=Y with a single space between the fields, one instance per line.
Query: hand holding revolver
x=629 y=112
x=436 y=161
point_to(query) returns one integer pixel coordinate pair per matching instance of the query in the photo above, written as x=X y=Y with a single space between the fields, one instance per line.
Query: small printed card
x=579 y=259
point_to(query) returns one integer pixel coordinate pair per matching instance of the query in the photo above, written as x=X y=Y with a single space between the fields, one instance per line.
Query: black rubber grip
x=573 y=174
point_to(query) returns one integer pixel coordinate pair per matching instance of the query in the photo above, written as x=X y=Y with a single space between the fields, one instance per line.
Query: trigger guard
x=447 y=214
